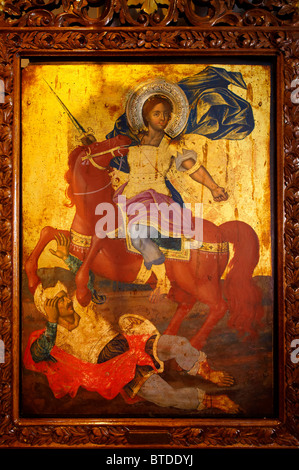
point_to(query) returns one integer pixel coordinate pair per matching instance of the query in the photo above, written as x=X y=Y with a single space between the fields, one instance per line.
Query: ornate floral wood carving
x=101 y=13
x=121 y=27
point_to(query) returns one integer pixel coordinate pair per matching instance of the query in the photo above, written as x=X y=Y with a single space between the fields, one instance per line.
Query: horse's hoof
x=33 y=279
x=33 y=283
x=83 y=298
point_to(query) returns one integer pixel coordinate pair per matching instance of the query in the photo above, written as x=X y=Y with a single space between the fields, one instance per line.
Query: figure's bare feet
x=218 y=377
x=221 y=402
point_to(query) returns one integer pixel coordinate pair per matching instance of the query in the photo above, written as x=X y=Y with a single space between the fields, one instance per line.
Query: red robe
x=108 y=378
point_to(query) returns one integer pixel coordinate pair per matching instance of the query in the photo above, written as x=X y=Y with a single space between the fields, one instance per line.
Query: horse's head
x=89 y=165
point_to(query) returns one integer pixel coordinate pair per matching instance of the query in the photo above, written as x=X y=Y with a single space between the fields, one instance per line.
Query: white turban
x=41 y=295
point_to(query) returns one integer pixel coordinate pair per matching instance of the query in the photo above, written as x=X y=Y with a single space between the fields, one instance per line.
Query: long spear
x=87 y=137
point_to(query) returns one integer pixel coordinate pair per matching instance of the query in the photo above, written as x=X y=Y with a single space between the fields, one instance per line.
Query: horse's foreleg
x=83 y=293
x=47 y=234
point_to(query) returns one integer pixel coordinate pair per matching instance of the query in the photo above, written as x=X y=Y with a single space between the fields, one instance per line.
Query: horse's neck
x=91 y=194
x=92 y=205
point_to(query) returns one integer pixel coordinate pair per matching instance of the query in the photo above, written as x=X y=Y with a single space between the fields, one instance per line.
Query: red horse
x=198 y=279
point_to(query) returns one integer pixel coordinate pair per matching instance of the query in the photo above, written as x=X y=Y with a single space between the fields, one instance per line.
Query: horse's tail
x=243 y=296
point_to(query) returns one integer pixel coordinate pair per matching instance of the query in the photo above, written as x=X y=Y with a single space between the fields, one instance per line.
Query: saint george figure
x=79 y=347
x=149 y=163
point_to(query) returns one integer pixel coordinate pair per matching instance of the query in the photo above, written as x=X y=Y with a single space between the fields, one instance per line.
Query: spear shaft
x=72 y=118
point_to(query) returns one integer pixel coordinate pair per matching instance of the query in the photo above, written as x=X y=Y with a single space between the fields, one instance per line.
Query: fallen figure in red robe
x=79 y=348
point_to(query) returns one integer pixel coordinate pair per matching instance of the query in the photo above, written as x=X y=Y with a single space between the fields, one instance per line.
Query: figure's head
x=64 y=304
x=147 y=95
x=57 y=297
x=59 y=291
x=156 y=112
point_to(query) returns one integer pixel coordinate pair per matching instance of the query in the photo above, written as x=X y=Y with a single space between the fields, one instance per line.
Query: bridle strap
x=90 y=157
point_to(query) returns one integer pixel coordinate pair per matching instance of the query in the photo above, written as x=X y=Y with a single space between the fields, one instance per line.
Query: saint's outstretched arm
x=201 y=175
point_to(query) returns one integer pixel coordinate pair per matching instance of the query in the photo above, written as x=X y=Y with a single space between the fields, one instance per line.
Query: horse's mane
x=69 y=193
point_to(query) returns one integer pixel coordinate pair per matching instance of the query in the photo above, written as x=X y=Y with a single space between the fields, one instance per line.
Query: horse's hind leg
x=185 y=303
x=217 y=309
x=175 y=323
x=47 y=234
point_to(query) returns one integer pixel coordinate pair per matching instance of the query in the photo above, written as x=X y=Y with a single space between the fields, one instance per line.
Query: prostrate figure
x=78 y=347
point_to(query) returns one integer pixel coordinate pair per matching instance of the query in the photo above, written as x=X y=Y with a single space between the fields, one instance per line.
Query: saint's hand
x=51 y=309
x=88 y=139
x=63 y=244
x=219 y=194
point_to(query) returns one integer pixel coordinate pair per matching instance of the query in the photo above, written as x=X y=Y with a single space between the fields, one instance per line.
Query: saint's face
x=65 y=305
x=158 y=117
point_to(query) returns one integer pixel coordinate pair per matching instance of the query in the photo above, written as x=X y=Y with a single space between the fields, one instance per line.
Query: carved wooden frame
x=231 y=28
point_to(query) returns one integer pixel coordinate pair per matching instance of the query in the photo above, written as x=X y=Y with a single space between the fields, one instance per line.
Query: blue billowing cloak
x=215 y=112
